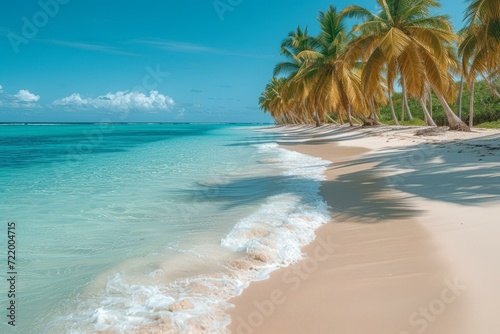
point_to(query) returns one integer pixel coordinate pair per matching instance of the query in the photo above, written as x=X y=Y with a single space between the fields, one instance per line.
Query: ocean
x=147 y=228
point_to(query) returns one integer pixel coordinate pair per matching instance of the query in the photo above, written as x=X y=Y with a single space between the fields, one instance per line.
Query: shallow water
x=149 y=227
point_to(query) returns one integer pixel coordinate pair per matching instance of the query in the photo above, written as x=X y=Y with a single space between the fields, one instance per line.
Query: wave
x=269 y=238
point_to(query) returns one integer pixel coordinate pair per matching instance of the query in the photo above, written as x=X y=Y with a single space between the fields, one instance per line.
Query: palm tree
x=410 y=43
x=460 y=36
x=271 y=101
x=480 y=47
x=296 y=42
x=327 y=81
x=405 y=107
x=295 y=93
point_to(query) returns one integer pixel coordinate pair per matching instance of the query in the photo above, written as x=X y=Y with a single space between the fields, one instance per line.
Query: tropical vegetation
x=402 y=55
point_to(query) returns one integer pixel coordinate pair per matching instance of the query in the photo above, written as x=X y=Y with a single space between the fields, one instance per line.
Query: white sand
x=413 y=245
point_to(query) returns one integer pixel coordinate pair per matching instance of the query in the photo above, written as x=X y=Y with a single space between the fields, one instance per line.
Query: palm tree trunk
x=402 y=111
x=391 y=104
x=405 y=100
x=453 y=120
x=373 y=120
x=430 y=103
x=407 y=106
x=471 y=111
x=460 y=95
x=316 y=119
x=372 y=110
x=428 y=118
x=492 y=86
x=349 y=116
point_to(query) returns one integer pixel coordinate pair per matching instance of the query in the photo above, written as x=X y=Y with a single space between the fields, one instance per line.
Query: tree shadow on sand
x=364 y=197
x=465 y=172
x=367 y=195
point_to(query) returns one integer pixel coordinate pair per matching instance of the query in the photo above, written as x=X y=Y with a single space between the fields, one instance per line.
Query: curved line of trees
x=351 y=74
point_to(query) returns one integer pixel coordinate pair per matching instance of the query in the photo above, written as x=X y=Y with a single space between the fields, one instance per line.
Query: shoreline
x=411 y=244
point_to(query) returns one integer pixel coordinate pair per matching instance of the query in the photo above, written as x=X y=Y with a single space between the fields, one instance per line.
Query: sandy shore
x=413 y=244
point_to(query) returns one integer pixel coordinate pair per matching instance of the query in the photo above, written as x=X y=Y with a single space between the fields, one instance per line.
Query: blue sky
x=150 y=60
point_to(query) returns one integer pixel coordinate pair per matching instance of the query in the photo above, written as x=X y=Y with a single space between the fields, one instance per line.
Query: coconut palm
x=327 y=81
x=272 y=102
x=407 y=41
x=296 y=42
x=272 y=99
x=480 y=47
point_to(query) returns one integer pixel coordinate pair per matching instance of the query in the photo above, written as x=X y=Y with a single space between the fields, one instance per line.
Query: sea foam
x=269 y=238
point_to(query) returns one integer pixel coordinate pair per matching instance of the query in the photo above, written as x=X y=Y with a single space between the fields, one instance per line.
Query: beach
x=412 y=242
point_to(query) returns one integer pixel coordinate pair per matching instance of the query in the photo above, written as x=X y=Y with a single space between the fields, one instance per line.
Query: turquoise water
x=148 y=227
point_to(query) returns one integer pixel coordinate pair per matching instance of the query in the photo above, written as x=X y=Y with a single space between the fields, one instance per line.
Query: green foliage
x=486 y=107
x=489 y=125
x=414 y=122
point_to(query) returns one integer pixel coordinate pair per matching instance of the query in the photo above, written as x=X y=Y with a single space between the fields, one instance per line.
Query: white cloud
x=23 y=99
x=119 y=102
x=24 y=95
x=72 y=100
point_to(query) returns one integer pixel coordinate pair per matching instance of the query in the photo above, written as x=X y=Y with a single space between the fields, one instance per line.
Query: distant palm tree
x=481 y=44
x=404 y=39
x=480 y=47
x=272 y=102
x=296 y=42
x=326 y=81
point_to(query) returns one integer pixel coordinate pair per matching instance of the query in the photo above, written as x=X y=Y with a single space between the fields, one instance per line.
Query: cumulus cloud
x=72 y=100
x=24 y=95
x=23 y=99
x=122 y=101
